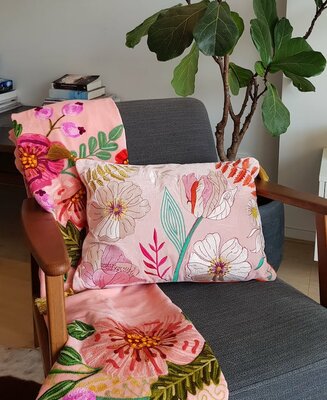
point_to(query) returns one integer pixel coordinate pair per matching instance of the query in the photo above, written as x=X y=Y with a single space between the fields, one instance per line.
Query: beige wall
x=41 y=40
x=301 y=147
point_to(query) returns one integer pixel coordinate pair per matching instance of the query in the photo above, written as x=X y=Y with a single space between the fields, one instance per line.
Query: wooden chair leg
x=321 y=225
x=56 y=315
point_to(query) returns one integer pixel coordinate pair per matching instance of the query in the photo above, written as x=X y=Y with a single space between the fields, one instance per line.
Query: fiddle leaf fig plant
x=211 y=28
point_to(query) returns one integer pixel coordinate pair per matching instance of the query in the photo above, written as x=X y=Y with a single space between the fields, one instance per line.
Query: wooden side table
x=8 y=172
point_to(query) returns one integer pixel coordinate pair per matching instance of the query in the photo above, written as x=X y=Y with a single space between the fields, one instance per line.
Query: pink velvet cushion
x=162 y=223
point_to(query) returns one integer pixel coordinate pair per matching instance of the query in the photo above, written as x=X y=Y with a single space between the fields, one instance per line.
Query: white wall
x=40 y=40
x=301 y=147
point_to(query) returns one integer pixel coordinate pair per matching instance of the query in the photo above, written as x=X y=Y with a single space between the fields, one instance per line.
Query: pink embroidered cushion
x=49 y=140
x=161 y=223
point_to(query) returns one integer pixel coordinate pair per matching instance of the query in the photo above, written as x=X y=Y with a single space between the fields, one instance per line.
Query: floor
x=16 y=328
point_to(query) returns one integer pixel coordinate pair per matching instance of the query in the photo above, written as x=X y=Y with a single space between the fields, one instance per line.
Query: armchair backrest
x=174 y=130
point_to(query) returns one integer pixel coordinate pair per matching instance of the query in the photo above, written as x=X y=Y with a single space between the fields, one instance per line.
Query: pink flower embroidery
x=44 y=200
x=142 y=351
x=107 y=265
x=208 y=196
x=38 y=170
x=72 y=108
x=43 y=112
x=80 y=394
x=70 y=201
x=70 y=129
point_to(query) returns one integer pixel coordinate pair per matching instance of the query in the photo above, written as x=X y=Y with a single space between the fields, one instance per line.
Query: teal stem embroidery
x=184 y=248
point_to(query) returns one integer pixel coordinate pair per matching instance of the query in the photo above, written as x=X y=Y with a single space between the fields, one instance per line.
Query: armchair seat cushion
x=270 y=338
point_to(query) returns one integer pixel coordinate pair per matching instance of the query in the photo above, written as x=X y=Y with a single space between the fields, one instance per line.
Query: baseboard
x=300 y=234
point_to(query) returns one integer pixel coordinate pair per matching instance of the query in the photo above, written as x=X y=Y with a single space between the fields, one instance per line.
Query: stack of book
x=79 y=87
x=8 y=96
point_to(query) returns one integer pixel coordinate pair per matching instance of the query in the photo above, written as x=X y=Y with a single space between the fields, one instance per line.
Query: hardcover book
x=5 y=85
x=77 y=82
x=65 y=94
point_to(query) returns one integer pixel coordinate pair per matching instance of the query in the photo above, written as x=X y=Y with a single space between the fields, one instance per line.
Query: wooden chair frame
x=50 y=254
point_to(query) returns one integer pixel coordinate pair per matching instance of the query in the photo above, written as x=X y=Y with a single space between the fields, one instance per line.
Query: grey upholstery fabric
x=270 y=339
x=167 y=131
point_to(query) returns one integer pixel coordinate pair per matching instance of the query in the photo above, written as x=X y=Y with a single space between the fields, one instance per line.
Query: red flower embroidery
x=122 y=157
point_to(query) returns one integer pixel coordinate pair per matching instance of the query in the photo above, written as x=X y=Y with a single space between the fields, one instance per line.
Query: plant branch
x=319 y=11
x=220 y=129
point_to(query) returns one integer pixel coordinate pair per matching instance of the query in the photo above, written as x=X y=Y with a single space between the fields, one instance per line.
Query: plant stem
x=319 y=11
x=52 y=125
x=184 y=248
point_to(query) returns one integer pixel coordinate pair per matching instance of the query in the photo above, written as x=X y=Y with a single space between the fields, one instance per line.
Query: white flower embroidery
x=115 y=209
x=210 y=261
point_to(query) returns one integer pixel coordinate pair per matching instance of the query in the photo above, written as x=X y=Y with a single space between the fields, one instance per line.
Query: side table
x=8 y=172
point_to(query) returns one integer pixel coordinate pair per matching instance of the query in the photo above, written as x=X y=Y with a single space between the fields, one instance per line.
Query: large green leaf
x=239 y=77
x=303 y=84
x=80 y=330
x=266 y=11
x=59 y=390
x=134 y=37
x=283 y=33
x=73 y=239
x=275 y=115
x=172 y=221
x=240 y=26
x=184 y=379
x=291 y=47
x=262 y=40
x=69 y=356
x=172 y=33
x=184 y=74
x=216 y=33
x=260 y=68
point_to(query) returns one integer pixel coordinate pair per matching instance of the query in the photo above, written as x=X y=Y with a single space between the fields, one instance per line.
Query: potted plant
x=211 y=28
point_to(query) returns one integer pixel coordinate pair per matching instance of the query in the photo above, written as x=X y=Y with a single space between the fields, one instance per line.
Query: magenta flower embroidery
x=72 y=108
x=44 y=200
x=80 y=394
x=107 y=265
x=43 y=112
x=70 y=129
x=38 y=170
x=144 y=350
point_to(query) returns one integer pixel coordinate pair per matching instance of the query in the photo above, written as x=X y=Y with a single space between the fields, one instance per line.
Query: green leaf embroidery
x=82 y=150
x=73 y=239
x=172 y=33
x=92 y=144
x=103 y=155
x=69 y=356
x=260 y=264
x=102 y=139
x=59 y=390
x=216 y=34
x=275 y=115
x=184 y=74
x=172 y=220
x=18 y=128
x=80 y=330
x=116 y=133
x=184 y=379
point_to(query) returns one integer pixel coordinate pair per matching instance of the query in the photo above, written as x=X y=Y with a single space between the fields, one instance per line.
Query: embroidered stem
x=52 y=125
x=184 y=248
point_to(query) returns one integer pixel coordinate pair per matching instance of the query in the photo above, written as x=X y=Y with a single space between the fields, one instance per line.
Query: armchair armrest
x=310 y=202
x=48 y=249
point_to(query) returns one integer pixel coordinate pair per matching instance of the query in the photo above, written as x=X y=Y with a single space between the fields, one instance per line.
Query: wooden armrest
x=44 y=239
x=292 y=197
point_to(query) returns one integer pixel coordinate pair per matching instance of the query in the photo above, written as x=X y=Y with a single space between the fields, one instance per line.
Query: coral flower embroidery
x=117 y=207
x=210 y=261
x=38 y=170
x=142 y=351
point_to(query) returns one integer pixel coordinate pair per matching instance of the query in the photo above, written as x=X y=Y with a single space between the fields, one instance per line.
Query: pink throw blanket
x=124 y=342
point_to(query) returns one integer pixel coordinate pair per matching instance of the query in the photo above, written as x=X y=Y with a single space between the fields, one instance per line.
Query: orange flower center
x=28 y=160
x=138 y=342
x=126 y=161
x=78 y=196
x=219 y=267
x=116 y=209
